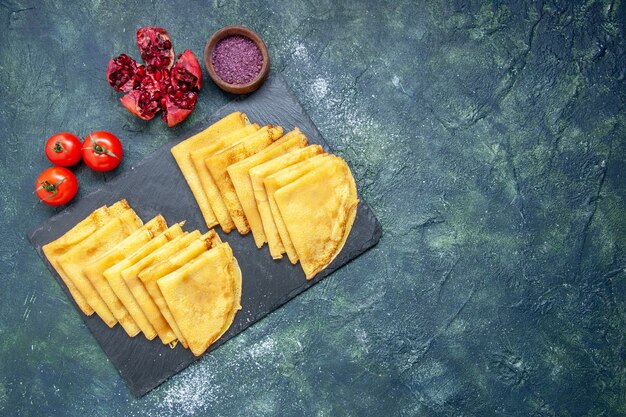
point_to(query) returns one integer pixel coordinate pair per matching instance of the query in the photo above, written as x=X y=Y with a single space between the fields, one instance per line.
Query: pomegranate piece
x=155 y=47
x=187 y=69
x=142 y=104
x=178 y=106
x=161 y=84
x=122 y=73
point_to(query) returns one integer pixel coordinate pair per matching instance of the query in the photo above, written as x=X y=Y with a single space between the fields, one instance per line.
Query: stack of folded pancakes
x=293 y=196
x=151 y=278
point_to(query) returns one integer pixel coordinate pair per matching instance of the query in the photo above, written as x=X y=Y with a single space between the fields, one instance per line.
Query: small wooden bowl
x=208 y=59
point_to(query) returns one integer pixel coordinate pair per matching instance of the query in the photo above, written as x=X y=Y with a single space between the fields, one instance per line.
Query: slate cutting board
x=267 y=284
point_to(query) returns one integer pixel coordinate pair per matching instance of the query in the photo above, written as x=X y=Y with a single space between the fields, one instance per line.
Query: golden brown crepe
x=181 y=151
x=258 y=175
x=75 y=235
x=78 y=233
x=280 y=179
x=103 y=239
x=218 y=162
x=136 y=287
x=239 y=175
x=150 y=275
x=327 y=198
x=113 y=276
x=208 y=185
x=94 y=270
x=204 y=296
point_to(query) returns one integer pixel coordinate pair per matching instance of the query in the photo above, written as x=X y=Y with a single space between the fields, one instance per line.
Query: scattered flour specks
x=191 y=392
x=196 y=389
x=265 y=348
x=361 y=337
x=319 y=88
x=301 y=52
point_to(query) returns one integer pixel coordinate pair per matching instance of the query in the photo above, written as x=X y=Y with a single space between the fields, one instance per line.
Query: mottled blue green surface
x=488 y=137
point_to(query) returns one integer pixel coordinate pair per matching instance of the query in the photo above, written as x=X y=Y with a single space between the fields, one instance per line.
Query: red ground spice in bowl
x=236 y=58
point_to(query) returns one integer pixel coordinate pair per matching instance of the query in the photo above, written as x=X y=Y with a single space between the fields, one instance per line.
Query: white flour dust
x=190 y=392
x=265 y=348
x=301 y=53
x=196 y=388
x=319 y=88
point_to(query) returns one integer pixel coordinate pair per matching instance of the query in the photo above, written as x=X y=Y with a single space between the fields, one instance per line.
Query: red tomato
x=63 y=149
x=56 y=186
x=102 y=151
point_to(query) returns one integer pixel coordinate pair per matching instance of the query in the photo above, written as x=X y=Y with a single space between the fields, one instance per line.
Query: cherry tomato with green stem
x=63 y=149
x=102 y=151
x=56 y=186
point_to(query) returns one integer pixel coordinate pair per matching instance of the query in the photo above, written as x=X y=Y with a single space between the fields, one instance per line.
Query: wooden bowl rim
x=250 y=34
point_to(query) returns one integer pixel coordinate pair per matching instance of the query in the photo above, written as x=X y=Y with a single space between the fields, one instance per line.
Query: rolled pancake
x=218 y=162
x=208 y=185
x=141 y=295
x=181 y=151
x=280 y=179
x=113 y=276
x=204 y=296
x=150 y=275
x=258 y=175
x=239 y=176
x=75 y=235
x=319 y=209
x=103 y=239
x=94 y=270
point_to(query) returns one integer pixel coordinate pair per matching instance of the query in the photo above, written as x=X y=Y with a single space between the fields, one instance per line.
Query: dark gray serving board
x=267 y=284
